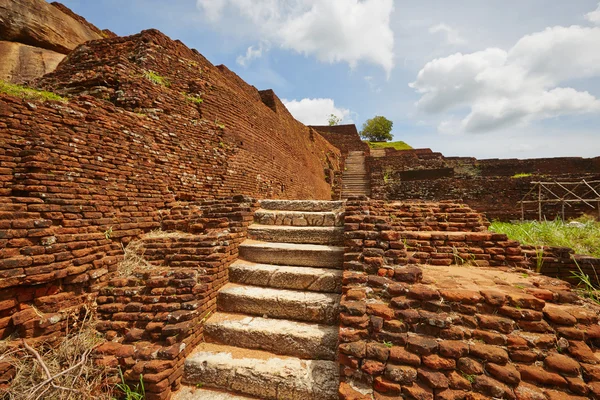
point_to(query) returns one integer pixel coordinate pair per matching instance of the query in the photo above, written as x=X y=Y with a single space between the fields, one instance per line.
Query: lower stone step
x=199 y=393
x=310 y=255
x=279 y=303
x=286 y=277
x=331 y=235
x=261 y=374
x=279 y=336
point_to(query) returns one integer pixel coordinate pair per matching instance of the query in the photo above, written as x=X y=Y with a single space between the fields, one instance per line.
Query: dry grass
x=133 y=259
x=158 y=234
x=62 y=372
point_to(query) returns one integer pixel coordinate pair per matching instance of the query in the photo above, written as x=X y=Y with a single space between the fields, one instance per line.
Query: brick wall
x=426 y=331
x=80 y=179
x=486 y=185
x=562 y=263
x=344 y=137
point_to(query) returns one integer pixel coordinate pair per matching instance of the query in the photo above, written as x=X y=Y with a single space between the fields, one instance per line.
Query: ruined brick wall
x=486 y=185
x=80 y=179
x=457 y=331
x=344 y=137
x=562 y=263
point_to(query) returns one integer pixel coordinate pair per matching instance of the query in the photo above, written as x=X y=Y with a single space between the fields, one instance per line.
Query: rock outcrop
x=20 y=62
x=36 y=35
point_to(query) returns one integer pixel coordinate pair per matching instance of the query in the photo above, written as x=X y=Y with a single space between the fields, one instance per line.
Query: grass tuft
x=29 y=93
x=157 y=79
x=387 y=145
x=583 y=236
x=521 y=175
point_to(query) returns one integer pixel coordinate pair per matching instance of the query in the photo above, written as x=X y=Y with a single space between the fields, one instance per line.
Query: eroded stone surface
x=279 y=303
x=286 y=277
x=20 y=63
x=276 y=335
x=292 y=254
x=262 y=375
x=297 y=234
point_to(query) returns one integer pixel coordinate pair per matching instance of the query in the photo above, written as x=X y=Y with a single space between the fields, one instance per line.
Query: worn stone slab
x=260 y=374
x=301 y=205
x=279 y=303
x=194 y=393
x=279 y=336
x=299 y=218
x=297 y=234
x=286 y=277
x=310 y=255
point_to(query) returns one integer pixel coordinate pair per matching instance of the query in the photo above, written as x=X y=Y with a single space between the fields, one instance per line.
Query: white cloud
x=333 y=31
x=315 y=111
x=594 y=16
x=452 y=35
x=514 y=87
x=252 y=54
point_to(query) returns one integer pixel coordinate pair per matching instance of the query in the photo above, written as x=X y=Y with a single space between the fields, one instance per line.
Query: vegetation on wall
x=400 y=145
x=28 y=93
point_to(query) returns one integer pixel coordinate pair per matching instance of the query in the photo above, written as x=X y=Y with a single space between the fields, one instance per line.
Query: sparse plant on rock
x=333 y=120
x=156 y=78
x=29 y=93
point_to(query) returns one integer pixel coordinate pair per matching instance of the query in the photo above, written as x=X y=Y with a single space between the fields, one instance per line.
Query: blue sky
x=490 y=79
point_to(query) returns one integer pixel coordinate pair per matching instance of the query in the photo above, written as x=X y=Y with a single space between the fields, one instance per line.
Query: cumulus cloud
x=252 y=53
x=451 y=35
x=315 y=111
x=517 y=86
x=332 y=31
x=594 y=16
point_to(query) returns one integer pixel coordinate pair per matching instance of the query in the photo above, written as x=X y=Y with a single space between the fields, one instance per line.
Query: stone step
x=286 y=277
x=331 y=235
x=299 y=218
x=261 y=374
x=309 y=255
x=301 y=205
x=199 y=393
x=279 y=336
x=279 y=303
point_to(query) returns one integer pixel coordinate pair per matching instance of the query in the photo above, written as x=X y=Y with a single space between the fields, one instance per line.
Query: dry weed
x=65 y=371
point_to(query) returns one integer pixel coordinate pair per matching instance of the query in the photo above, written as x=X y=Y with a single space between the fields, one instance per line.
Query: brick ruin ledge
x=435 y=325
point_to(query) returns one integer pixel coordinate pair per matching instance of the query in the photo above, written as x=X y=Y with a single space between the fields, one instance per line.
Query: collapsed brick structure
x=442 y=328
x=81 y=179
x=426 y=175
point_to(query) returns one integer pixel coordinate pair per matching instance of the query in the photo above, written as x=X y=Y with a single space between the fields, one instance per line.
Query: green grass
x=522 y=175
x=394 y=145
x=156 y=78
x=194 y=98
x=28 y=93
x=584 y=239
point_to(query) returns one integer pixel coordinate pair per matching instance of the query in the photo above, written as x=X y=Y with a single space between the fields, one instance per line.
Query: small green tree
x=333 y=120
x=377 y=129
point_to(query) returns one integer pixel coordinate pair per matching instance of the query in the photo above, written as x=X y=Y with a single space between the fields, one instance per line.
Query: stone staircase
x=354 y=179
x=275 y=333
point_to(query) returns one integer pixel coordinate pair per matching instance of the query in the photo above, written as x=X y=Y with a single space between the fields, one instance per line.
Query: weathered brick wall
x=153 y=317
x=457 y=331
x=78 y=180
x=344 y=137
x=486 y=185
x=562 y=263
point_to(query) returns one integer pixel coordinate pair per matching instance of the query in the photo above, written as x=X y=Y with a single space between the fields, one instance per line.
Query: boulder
x=40 y=24
x=20 y=62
